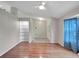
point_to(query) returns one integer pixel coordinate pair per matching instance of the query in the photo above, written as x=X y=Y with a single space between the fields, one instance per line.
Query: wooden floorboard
x=39 y=50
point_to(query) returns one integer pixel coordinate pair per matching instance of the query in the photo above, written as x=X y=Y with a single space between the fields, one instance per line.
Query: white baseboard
x=9 y=48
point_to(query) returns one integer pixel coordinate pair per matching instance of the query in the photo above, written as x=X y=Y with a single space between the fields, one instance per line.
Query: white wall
x=52 y=30
x=9 y=34
x=61 y=32
x=48 y=28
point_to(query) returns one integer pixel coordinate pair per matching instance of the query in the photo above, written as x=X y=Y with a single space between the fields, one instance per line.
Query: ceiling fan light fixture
x=41 y=7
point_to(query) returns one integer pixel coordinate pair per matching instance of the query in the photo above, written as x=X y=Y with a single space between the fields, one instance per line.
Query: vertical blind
x=24 y=29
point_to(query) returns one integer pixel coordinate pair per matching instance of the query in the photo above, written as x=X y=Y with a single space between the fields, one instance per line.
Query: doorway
x=34 y=30
x=24 y=30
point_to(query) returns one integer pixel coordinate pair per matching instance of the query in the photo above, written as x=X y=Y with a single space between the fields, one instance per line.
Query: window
x=24 y=29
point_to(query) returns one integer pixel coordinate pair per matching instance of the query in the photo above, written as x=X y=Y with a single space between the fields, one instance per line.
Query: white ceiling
x=54 y=9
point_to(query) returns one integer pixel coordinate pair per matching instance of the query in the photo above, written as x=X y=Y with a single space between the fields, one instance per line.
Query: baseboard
x=10 y=48
x=23 y=40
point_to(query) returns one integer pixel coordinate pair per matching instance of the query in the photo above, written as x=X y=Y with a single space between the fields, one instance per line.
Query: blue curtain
x=78 y=33
x=66 y=34
x=70 y=33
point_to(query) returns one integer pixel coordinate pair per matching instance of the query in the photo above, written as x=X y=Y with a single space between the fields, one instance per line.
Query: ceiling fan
x=41 y=6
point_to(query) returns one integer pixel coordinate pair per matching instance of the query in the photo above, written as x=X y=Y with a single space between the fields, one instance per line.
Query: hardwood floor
x=39 y=50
